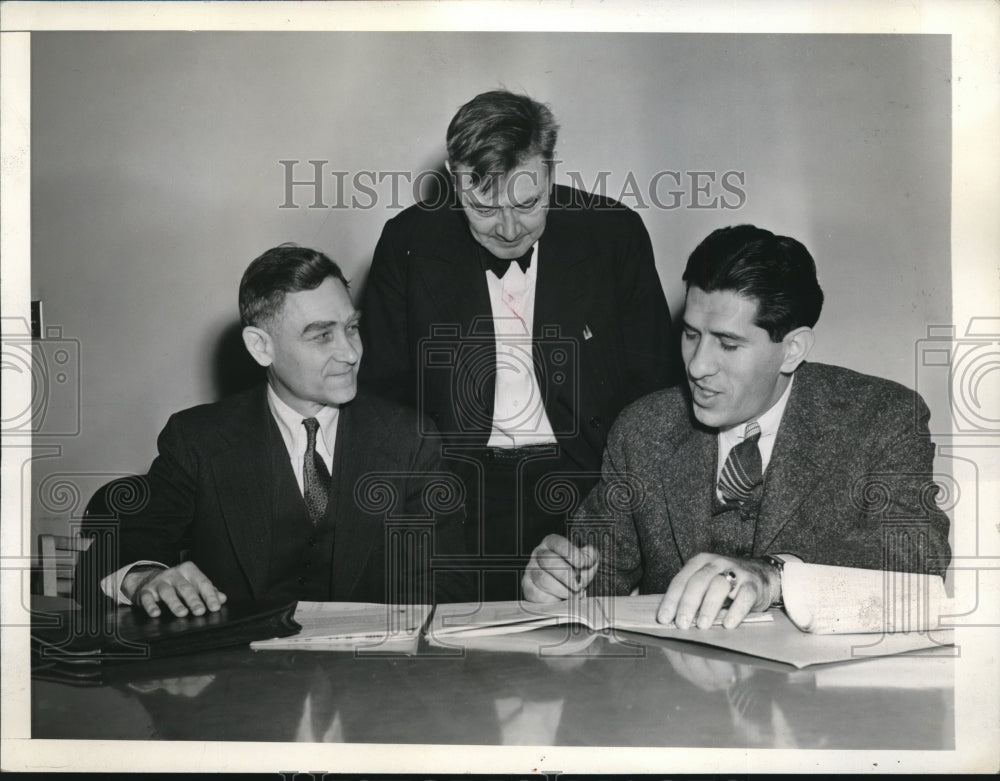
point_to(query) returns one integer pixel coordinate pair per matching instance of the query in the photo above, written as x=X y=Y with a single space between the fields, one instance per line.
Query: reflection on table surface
x=608 y=690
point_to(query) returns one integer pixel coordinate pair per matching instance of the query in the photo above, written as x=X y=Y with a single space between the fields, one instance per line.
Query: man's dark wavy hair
x=777 y=271
x=496 y=131
x=288 y=268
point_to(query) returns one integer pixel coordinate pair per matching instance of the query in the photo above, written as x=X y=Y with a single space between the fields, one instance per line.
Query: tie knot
x=312 y=426
x=752 y=430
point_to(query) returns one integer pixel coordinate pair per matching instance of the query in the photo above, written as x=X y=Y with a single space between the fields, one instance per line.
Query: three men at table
x=521 y=316
x=287 y=491
x=761 y=457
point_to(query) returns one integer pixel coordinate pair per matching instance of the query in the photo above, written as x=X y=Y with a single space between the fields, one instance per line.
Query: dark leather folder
x=128 y=634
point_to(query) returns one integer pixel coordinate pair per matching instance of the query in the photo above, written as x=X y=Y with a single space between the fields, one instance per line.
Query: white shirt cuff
x=111 y=584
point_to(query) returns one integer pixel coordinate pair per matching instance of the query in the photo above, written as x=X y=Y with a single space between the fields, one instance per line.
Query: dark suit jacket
x=428 y=328
x=211 y=493
x=849 y=484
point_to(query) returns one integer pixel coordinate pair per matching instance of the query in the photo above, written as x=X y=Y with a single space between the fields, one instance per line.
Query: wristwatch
x=779 y=566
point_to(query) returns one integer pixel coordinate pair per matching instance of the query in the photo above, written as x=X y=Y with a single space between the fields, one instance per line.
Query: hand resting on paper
x=704 y=584
x=557 y=569
x=183 y=589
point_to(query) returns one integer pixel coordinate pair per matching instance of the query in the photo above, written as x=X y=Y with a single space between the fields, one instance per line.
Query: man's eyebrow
x=529 y=202
x=717 y=334
x=727 y=335
x=323 y=325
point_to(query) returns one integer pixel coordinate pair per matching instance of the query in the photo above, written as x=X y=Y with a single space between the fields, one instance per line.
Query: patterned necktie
x=499 y=266
x=742 y=471
x=315 y=477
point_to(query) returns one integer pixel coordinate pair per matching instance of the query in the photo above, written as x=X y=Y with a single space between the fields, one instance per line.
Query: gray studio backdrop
x=157 y=175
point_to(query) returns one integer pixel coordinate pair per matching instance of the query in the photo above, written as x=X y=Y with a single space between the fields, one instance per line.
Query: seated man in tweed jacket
x=762 y=456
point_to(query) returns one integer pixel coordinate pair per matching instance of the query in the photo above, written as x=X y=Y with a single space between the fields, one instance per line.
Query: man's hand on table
x=183 y=589
x=558 y=569
x=699 y=591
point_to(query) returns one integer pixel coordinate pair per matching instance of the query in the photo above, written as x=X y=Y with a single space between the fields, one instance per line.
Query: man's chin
x=507 y=251
x=706 y=416
x=336 y=398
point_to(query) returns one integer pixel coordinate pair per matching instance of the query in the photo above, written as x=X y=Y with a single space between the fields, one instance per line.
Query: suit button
x=312 y=542
x=302 y=581
x=306 y=565
x=595 y=422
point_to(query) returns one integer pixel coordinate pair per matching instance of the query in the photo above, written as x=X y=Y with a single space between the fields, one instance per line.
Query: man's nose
x=508 y=225
x=345 y=351
x=702 y=361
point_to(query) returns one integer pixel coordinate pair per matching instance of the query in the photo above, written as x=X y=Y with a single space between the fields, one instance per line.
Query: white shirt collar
x=294 y=433
x=768 y=422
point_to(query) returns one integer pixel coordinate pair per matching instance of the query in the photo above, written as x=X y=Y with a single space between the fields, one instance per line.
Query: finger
x=711 y=603
x=743 y=603
x=559 y=569
x=585 y=557
x=578 y=557
x=587 y=575
x=549 y=587
x=667 y=611
x=168 y=596
x=693 y=594
x=149 y=603
x=209 y=594
x=187 y=592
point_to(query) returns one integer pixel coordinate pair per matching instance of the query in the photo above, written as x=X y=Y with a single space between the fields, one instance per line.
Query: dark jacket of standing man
x=299 y=488
x=520 y=316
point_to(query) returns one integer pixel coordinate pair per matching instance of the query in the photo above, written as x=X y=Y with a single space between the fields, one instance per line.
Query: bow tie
x=499 y=266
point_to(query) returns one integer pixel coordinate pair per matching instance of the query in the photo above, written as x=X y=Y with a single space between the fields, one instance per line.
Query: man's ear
x=797 y=344
x=258 y=344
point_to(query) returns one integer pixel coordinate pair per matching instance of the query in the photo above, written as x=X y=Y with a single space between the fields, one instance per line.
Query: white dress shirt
x=519 y=416
x=768 y=422
x=293 y=434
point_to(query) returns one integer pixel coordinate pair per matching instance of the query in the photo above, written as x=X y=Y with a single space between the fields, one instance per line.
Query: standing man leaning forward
x=521 y=316
x=760 y=459
x=269 y=492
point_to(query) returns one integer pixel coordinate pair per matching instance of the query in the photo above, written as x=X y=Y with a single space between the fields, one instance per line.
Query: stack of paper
x=353 y=626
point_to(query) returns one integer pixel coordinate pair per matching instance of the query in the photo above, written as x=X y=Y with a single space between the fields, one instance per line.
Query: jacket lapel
x=687 y=485
x=562 y=286
x=562 y=282
x=242 y=474
x=454 y=281
x=354 y=536
x=798 y=461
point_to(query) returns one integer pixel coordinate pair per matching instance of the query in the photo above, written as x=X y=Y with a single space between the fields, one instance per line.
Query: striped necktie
x=742 y=471
x=315 y=477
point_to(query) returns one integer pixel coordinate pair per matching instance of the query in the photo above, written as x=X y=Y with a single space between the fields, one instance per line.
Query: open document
x=633 y=614
x=348 y=626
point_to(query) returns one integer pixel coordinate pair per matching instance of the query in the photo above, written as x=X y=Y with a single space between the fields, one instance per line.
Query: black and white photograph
x=500 y=387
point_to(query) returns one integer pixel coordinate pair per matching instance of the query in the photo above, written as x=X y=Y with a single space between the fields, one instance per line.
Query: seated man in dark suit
x=289 y=490
x=708 y=489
